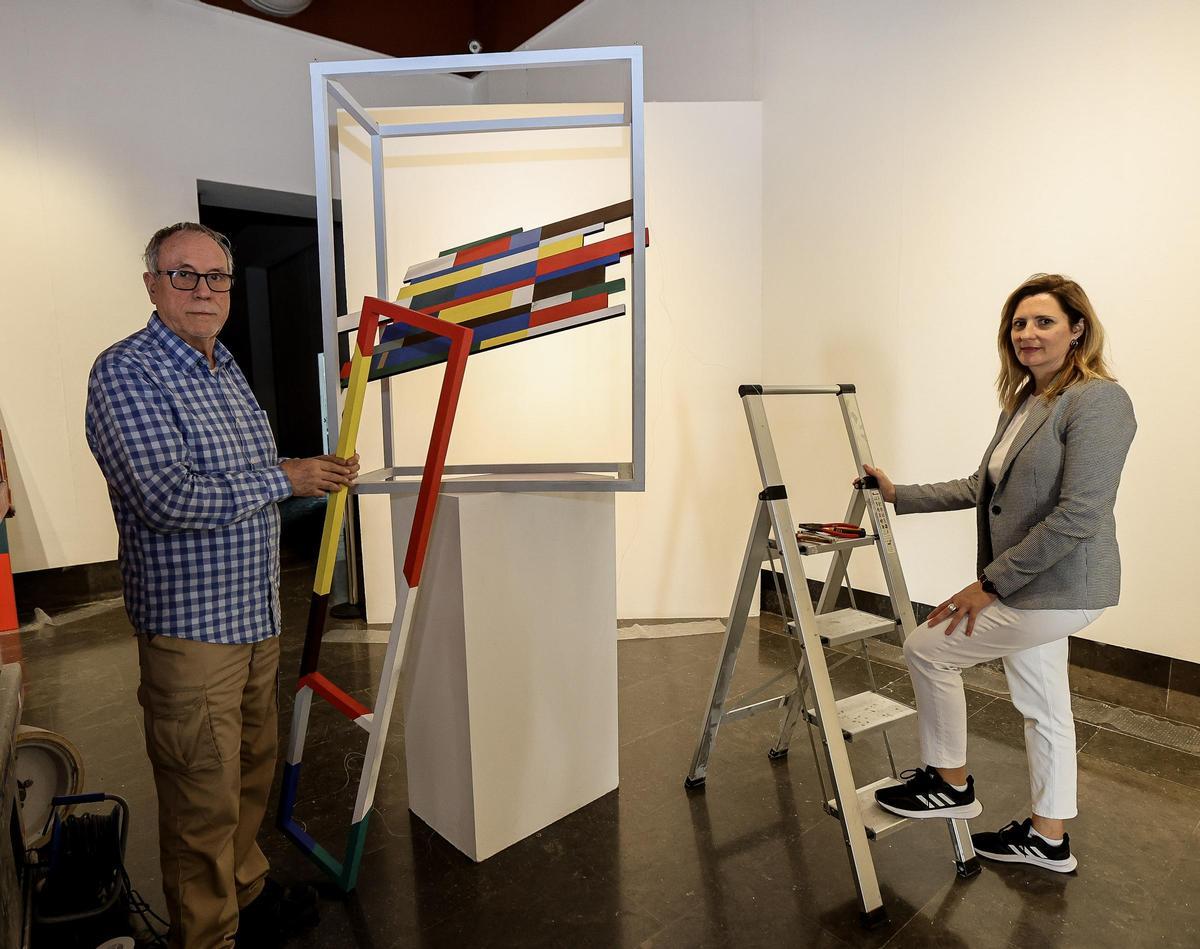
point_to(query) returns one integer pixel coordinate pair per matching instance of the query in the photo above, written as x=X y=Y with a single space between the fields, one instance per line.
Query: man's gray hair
x=160 y=237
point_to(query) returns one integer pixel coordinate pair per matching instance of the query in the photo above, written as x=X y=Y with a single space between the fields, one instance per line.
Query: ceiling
x=423 y=27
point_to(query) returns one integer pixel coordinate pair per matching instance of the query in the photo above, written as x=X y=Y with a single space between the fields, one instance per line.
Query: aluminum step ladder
x=809 y=630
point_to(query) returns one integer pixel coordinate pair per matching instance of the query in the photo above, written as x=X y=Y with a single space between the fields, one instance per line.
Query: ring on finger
x=952 y=608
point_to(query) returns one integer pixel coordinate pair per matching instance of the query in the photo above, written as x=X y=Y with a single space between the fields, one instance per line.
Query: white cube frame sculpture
x=328 y=94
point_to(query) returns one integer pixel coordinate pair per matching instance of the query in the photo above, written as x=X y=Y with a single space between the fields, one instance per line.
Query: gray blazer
x=1047 y=535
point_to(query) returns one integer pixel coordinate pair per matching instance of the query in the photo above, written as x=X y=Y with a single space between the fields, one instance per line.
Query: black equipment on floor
x=83 y=895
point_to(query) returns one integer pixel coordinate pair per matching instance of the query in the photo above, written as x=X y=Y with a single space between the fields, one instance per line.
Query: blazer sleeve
x=943 y=496
x=1098 y=432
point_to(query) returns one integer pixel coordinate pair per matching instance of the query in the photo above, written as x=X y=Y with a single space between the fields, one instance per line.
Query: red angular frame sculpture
x=374 y=722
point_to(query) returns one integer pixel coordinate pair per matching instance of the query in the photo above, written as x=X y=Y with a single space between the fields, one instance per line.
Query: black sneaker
x=1016 y=843
x=925 y=794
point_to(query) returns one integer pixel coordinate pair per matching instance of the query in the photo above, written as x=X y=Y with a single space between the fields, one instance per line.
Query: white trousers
x=1033 y=645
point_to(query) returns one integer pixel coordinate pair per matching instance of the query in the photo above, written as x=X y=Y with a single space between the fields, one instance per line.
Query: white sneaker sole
x=1058 y=866
x=962 y=812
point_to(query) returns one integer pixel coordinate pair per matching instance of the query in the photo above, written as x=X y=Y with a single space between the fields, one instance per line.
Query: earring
x=1075 y=343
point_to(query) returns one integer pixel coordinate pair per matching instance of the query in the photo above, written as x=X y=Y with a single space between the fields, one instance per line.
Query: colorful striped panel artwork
x=508 y=288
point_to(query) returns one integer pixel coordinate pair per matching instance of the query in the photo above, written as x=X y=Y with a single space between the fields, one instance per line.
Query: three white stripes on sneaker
x=938 y=800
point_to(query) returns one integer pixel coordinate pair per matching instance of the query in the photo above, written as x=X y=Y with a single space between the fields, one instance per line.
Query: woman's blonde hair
x=1085 y=360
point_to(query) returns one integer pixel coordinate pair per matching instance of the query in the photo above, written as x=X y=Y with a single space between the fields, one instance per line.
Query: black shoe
x=276 y=913
x=1016 y=843
x=925 y=794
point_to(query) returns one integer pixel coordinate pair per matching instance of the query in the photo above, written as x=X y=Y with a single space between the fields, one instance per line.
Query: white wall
x=920 y=160
x=109 y=113
x=917 y=162
x=696 y=51
x=567 y=398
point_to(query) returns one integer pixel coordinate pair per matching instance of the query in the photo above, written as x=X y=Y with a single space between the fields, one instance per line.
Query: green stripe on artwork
x=613 y=286
x=494 y=237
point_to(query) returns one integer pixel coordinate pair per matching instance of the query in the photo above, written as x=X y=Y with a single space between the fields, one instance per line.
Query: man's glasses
x=190 y=280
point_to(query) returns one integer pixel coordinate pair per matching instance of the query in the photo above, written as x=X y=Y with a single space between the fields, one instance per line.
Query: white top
x=996 y=462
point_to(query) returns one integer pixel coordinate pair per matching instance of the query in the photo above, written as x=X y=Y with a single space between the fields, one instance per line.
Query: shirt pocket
x=259 y=439
x=213 y=440
x=179 y=733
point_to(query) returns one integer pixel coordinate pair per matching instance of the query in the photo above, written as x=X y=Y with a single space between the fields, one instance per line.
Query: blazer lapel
x=1039 y=411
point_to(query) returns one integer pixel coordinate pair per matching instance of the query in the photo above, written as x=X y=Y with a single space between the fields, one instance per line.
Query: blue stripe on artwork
x=406 y=365
x=520 y=275
x=287 y=794
x=500 y=278
x=519 y=321
x=525 y=239
x=397 y=331
x=586 y=265
x=433 y=297
x=430 y=348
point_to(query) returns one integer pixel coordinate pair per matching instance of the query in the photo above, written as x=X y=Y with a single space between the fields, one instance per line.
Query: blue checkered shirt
x=194 y=477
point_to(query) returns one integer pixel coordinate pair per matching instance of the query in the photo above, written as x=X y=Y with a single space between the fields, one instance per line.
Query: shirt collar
x=180 y=352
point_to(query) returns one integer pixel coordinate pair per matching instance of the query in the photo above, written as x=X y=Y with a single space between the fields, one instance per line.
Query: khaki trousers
x=211 y=715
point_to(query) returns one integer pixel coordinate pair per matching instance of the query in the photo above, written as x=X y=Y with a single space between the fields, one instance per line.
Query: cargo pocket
x=179 y=735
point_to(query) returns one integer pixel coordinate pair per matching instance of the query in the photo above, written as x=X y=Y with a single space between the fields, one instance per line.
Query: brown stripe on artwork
x=614 y=212
x=568 y=283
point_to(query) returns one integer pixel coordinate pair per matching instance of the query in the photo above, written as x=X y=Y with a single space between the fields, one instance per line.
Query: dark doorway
x=274 y=328
x=274 y=333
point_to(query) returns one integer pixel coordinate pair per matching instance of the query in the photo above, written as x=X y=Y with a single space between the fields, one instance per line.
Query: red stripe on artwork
x=621 y=244
x=498 y=246
x=552 y=314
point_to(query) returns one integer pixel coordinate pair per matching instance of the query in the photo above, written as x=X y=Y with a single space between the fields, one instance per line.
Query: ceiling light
x=278 y=7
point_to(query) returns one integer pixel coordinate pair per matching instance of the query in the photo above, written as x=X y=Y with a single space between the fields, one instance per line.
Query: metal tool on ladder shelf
x=773 y=537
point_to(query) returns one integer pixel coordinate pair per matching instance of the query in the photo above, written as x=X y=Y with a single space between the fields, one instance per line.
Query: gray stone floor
x=750 y=861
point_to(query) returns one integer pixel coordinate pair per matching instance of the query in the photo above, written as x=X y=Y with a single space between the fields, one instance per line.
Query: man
x=194 y=481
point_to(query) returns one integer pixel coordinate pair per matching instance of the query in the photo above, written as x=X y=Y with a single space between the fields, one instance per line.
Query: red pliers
x=836 y=530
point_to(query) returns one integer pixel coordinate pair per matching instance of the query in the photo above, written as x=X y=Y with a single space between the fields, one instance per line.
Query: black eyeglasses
x=190 y=280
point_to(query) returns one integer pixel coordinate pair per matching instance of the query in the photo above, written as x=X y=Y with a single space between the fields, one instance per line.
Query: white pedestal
x=510 y=688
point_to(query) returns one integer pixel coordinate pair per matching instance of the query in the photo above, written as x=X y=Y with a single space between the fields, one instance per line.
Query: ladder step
x=877 y=822
x=866 y=712
x=810 y=548
x=848 y=626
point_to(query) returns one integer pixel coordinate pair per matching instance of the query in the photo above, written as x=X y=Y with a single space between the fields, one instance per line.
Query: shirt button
x=995 y=508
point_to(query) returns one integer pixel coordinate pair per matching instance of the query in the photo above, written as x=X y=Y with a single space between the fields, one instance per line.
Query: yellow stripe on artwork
x=501 y=340
x=548 y=249
x=335 y=509
x=573 y=242
x=437 y=283
x=481 y=307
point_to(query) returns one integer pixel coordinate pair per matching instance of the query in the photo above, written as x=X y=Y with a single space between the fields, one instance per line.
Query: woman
x=1048 y=566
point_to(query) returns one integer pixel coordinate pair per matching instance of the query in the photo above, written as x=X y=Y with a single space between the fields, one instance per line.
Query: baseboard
x=1131 y=678
x=62 y=588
